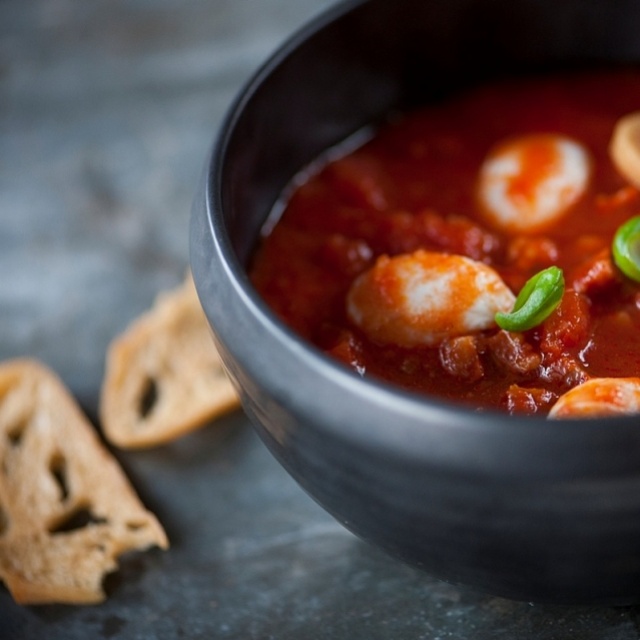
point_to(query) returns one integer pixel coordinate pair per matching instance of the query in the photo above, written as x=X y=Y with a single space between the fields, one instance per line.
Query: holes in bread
x=58 y=469
x=4 y=521
x=16 y=432
x=14 y=435
x=136 y=525
x=79 y=518
x=148 y=398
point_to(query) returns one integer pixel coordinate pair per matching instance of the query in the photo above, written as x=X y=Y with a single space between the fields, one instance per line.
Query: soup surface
x=395 y=256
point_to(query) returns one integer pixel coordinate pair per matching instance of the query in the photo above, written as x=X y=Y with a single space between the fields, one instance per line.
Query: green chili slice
x=626 y=248
x=540 y=295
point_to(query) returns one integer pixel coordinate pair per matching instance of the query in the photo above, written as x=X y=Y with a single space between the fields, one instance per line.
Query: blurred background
x=108 y=109
x=107 y=112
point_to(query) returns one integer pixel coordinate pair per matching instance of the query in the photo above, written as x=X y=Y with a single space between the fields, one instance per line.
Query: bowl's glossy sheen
x=518 y=507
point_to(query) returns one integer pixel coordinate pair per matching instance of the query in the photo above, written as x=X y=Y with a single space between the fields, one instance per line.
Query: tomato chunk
x=567 y=328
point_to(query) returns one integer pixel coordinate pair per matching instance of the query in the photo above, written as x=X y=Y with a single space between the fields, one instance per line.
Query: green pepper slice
x=538 y=298
x=626 y=248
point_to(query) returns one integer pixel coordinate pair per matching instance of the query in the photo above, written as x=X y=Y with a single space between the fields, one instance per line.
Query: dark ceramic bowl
x=520 y=508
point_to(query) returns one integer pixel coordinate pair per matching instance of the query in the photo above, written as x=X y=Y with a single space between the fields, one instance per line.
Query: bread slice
x=67 y=511
x=163 y=375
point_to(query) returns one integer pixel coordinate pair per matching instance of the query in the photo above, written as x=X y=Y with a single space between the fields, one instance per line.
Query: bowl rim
x=525 y=431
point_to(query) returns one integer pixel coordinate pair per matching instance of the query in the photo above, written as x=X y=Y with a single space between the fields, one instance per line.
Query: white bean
x=599 y=397
x=424 y=297
x=624 y=148
x=530 y=182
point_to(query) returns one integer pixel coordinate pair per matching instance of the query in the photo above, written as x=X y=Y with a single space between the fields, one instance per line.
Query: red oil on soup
x=417 y=185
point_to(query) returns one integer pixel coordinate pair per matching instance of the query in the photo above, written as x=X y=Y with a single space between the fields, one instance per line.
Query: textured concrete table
x=107 y=110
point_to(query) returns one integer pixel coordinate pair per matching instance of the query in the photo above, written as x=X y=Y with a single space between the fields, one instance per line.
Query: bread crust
x=163 y=375
x=53 y=469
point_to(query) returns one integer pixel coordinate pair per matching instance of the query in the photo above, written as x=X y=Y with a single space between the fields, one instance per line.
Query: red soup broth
x=413 y=185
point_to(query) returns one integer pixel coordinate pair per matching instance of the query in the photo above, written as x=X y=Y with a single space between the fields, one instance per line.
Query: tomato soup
x=395 y=257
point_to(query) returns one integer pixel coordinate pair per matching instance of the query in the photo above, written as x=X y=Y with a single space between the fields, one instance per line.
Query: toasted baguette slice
x=163 y=375
x=67 y=511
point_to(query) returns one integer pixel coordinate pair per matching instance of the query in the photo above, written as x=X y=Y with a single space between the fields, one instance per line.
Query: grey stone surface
x=107 y=111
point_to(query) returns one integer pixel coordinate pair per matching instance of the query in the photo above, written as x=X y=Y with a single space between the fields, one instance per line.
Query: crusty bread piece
x=163 y=375
x=67 y=511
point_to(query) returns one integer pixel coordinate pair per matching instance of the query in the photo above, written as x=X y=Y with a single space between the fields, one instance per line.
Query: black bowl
x=517 y=507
